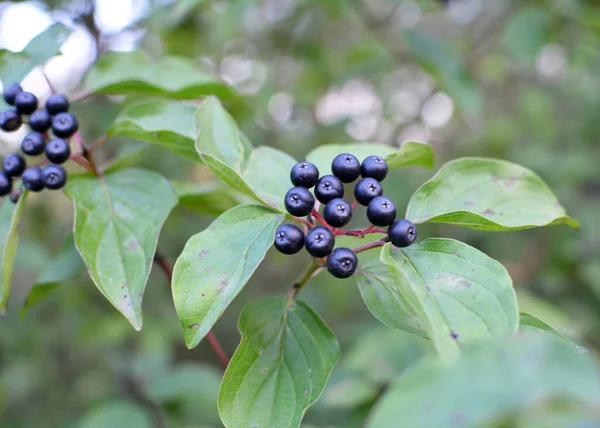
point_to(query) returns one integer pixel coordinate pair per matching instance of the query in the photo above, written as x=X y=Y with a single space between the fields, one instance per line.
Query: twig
x=370 y=245
x=81 y=161
x=313 y=270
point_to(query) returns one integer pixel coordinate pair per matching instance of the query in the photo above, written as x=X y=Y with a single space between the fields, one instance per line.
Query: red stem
x=81 y=161
x=303 y=221
x=370 y=245
x=210 y=337
x=354 y=204
x=360 y=233
x=321 y=220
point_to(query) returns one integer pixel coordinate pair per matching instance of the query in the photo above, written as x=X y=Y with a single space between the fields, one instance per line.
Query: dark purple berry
x=5 y=184
x=346 y=167
x=10 y=120
x=289 y=239
x=58 y=150
x=337 y=212
x=10 y=93
x=54 y=177
x=342 y=263
x=57 y=103
x=329 y=187
x=33 y=180
x=299 y=201
x=304 y=174
x=381 y=211
x=319 y=242
x=64 y=125
x=33 y=144
x=375 y=167
x=402 y=233
x=26 y=102
x=13 y=165
x=40 y=121
x=366 y=190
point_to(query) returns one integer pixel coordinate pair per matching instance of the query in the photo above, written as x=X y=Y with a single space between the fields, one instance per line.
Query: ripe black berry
x=381 y=211
x=298 y=201
x=15 y=195
x=10 y=120
x=375 y=167
x=346 y=167
x=289 y=239
x=54 y=177
x=64 y=125
x=5 y=184
x=32 y=179
x=33 y=144
x=304 y=174
x=329 y=187
x=402 y=233
x=57 y=103
x=58 y=150
x=319 y=242
x=13 y=165
x=342 y=263
x=367 y=189
x=337 y=212
x=40 y=121
x=11 y=92
x=26 y=102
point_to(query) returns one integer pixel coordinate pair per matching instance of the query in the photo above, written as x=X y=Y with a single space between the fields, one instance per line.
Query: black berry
x=33 y=144
x=319 y=242
x=346 y=167
x=26 y=102
x=329 y=187
x=342 y=263
x=10 y=120
x=40 y=121
x=32 y=179
x=11 y=92
x=5 y=184
x=367 y=189
x=381 y=211
x=337 y=212
x=13 y=165
x=54 y=176
x=402 y=233
x=15 y=195
x=64 y=125
x=304 y=174
x=289 y=239
x=57 y=103
x=375 y=167
x=58 y=150
x=299 y=201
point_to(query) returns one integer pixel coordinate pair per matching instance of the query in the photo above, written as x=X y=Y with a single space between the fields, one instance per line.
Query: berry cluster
x=319 y=240
x=54 y=117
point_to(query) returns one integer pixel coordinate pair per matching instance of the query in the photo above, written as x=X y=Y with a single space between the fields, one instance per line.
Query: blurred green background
x=516 y=80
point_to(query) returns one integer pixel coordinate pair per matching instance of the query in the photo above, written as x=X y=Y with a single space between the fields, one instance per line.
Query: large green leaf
x=487 y=194
x=216 y=264
x=534 y=325
x=118 y=218
x=134 y=73
x=10 y=215
x=500 y=378
x=411 y=153
x=459 y=294
x=205 y=198
x=170 y=124
x=281 y=366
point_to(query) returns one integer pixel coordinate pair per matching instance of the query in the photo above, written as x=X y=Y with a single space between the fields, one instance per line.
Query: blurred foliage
x=523 y=77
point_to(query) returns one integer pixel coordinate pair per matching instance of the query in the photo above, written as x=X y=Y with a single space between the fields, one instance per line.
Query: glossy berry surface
x=375 y=167
x=33 y=180
x=337 y=212
x=5 y=184
x=57 y=103
x=40 y=121
x=319 y=242
x=26 y=102
x=289 y=239
x=342 y=263
x=10 y=120
x=402 y=233
x=304 y=174
x=329 y=187
x=299 y=201
x=13 y=165
x=54 y=177
x=346 y=167
x=33 y=144
x=366 y=190
x=381 y=211
x=64 y=125
x=58 y=150
x=10 y=93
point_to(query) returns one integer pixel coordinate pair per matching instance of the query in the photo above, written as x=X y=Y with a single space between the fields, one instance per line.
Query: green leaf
x=127 y=155
x=486 y=194
x=10 y=215
x=446 y=67
x=281 y=366
x=169 y=124
x=534 y=325
x=115 y=414
x=64 y=267
x=499 y=378
x=173 y=77
x=411 y=153
x=216 y=264
x=118 y=218
x=204 y=198
x=14 y=66
x=459 y=294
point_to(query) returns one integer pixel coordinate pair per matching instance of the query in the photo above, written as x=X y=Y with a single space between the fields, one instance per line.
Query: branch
x=313 y=270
